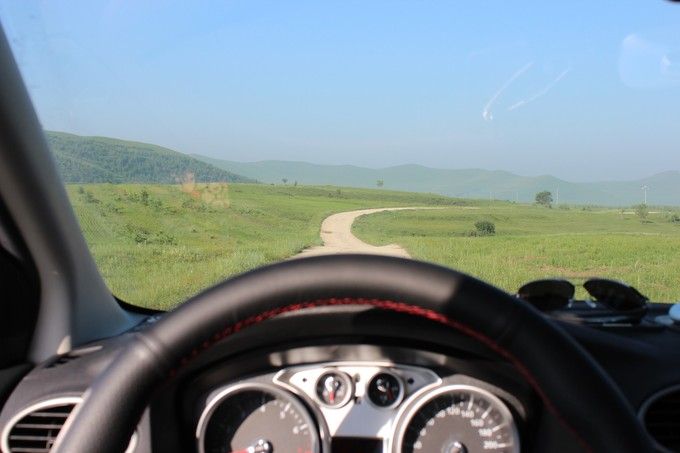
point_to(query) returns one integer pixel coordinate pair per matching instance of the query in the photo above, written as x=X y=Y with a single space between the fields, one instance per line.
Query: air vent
x=35 y=429
x=661 y=415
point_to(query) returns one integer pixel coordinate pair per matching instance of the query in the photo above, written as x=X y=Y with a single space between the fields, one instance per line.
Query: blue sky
x=582 y=90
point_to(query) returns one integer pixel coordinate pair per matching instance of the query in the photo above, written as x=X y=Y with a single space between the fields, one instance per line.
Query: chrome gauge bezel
x=345 y=378
x=415 y=403
x=294 y=399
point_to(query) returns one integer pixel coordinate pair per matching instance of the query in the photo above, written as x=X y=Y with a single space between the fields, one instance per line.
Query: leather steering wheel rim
x=570 y=383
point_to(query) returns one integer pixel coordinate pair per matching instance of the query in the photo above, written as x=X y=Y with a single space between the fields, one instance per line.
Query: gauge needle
x=331 y=387
x=384 y=388
x=262 y=446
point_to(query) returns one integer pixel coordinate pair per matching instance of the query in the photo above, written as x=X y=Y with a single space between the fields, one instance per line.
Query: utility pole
x=557 y=196
x=644 y=189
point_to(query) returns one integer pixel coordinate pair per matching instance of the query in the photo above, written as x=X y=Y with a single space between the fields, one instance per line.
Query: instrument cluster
x=354 y=406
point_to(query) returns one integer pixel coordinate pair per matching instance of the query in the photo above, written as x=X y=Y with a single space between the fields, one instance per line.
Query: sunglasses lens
x=547 y=294
x=615 y=295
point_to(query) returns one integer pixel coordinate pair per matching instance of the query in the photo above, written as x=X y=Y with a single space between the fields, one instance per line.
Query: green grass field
x=533 y=242
x=156 y=245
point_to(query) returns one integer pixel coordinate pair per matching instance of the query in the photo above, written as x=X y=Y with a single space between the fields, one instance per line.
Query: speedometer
x=256 y=418
x=458 y=419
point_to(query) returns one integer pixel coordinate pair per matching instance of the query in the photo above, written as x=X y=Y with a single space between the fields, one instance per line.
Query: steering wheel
x=569 y=382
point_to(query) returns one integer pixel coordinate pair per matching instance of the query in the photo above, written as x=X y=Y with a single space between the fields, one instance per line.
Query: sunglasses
x=557 y=294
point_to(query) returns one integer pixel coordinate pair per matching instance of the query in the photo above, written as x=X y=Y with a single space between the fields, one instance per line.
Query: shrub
x=144 y=197
x=164 y=238
x=142 y=235
x=674 y=218
x=485 y=228
x=90 y=198
x=642 y=211
x=544 y=198
x=194 y=205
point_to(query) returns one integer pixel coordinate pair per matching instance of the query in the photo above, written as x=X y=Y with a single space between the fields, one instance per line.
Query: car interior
x=341 y=353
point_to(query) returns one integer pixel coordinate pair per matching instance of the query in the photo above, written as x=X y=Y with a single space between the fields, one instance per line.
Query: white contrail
x=486 y=113
x=541 y=93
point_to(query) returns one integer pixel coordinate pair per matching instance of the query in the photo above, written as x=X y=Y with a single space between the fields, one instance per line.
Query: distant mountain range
x=101 y=159
x=663 y=188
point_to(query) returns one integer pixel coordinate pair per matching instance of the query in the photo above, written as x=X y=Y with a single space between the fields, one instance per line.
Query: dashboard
x=354 y=380
x=371 y=407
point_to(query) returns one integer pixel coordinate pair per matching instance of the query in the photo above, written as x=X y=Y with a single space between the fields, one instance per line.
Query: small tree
x=485 y=228
x=284 y=180
x=380 y=183
x=641 y=211
x=144 y=197
x=544 y=198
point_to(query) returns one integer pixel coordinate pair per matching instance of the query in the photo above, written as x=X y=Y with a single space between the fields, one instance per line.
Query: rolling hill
x=664 y=188
x=99 y=159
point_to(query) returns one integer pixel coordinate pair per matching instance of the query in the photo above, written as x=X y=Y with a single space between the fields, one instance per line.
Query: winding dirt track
x=337 y=237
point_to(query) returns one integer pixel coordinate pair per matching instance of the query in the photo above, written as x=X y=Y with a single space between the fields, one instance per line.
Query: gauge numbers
x=254 y=418
x=459 y=419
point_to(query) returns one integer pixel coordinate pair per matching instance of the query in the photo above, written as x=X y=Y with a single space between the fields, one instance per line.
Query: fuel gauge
x=385 y=390
x=334 y=389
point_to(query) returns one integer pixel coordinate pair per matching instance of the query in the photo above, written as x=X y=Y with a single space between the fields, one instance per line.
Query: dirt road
x=337 y=237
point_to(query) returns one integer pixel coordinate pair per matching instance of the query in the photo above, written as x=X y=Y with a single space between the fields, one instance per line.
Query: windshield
x=201 y=140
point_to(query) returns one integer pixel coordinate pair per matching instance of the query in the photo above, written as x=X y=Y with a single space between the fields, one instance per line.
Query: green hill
x=100 y=159
x=664 y=188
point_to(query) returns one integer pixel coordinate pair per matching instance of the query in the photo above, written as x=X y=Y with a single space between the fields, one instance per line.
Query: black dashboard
x=350 y=379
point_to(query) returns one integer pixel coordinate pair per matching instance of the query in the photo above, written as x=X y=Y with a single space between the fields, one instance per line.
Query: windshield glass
x=200 y=140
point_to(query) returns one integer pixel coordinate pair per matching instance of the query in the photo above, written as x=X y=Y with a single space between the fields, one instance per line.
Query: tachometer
x=458 y=419
x=256 y=418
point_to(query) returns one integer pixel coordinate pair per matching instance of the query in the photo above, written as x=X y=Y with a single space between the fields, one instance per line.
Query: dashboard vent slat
x=662 y=419
x=36 y=431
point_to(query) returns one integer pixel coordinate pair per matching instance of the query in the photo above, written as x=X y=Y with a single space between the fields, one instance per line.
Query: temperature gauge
x=334 y=389
x=385 y=390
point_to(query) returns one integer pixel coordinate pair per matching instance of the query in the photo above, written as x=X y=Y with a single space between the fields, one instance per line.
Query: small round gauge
x=334 y=389
x=385 y=390
x=256 y=418
x=458 y=419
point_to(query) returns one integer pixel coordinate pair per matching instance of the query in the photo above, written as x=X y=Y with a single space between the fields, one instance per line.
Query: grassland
x=158 y=244
x=533 y=242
